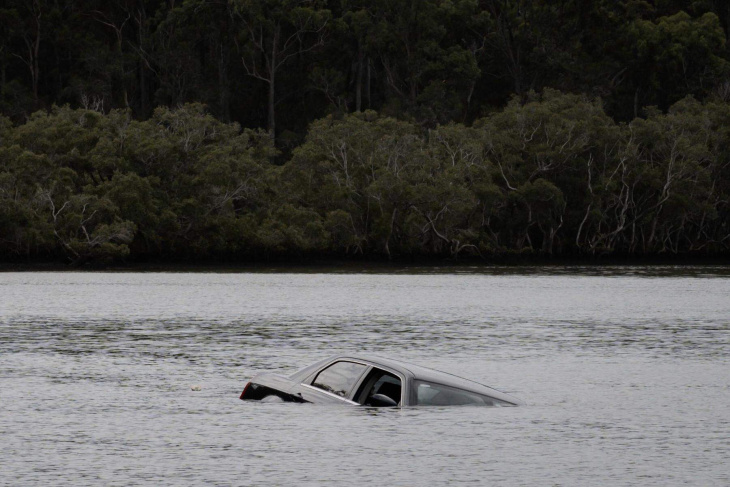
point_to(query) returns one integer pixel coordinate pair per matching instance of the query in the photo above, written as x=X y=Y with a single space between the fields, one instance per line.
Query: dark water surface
x=625 y=372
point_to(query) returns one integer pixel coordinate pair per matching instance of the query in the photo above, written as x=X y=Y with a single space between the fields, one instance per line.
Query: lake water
x=625 y=372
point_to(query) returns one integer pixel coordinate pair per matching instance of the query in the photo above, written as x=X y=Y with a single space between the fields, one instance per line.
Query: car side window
x=380 y=382
x=431 y=394
x=339 y=378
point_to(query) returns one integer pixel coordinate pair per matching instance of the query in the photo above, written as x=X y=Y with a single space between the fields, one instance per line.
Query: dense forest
x=250 y=130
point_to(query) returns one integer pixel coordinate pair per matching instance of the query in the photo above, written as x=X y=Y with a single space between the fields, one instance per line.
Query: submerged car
x=373 y=381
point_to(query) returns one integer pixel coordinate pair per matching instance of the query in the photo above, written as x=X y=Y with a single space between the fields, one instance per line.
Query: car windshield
x=432 y=394
x=339 y=378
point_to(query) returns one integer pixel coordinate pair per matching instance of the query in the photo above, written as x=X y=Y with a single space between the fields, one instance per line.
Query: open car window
x=339 y=378
x=379 y=382
x=431 y=394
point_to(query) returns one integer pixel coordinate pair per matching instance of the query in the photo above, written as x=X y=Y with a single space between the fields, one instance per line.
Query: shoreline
x=306 y=265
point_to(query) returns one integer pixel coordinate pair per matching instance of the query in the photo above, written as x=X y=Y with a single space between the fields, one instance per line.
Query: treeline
x=550 y=174
x=243 y=130
x=280 y=64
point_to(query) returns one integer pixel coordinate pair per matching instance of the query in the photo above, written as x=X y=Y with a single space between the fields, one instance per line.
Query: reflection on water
x=625 y=372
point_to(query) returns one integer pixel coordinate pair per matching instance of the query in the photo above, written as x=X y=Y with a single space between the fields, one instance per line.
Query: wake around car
x=373 y=381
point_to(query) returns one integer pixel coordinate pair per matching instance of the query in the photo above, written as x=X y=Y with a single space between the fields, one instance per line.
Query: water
x=624 y=371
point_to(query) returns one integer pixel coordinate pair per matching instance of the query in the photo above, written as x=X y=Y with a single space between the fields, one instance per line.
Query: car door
x=334 y=383
x=379 y=382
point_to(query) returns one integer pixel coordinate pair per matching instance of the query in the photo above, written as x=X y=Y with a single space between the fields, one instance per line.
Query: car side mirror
x=381 y=401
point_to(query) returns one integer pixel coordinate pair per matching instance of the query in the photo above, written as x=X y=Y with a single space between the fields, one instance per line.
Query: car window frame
x=348 y=396
x=414 y=393
x=387 y=371
x=405 y=384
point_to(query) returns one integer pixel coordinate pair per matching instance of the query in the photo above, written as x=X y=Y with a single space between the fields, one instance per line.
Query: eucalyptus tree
x=673 y=56
x=206 y=175
x=359 y=19
x=273 y=32
x=542 y=152
x=116 y=19
x=28 y=26
x=679 y=155
x=425 y=56
x=23 y=232
x=54 y=148
x=350 y=171
x=456 y=192
x=527 y=48
x=383 y=185
x=211 y=24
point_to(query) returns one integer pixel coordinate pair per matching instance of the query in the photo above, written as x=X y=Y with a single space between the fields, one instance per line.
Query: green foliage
x=393 y=128
x=677 y=55
x=280 y=64
x=95 y=187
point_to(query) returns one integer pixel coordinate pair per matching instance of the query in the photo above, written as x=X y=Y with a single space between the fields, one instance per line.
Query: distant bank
x=552 y=179
x=669 y=265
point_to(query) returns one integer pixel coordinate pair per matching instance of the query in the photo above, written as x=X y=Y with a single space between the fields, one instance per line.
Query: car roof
x=419 y=372
x=413 y=371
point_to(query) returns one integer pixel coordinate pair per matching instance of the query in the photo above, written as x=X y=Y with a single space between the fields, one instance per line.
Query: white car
x=373 y=381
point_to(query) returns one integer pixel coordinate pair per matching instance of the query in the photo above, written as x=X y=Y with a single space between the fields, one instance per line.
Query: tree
x=675 y=56
x=27 y=20
x=272 y=33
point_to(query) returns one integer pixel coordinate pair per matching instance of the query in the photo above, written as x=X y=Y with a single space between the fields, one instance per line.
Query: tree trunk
x=358 y=85
x=36 y=70
x=272 y=86
x=33 y=51
x=224 y=91
x=367 y=84
x=141 y=19
x=272 y=100
x=142 y=91
x=2 y=80
x=120 y=55
x=467 y=105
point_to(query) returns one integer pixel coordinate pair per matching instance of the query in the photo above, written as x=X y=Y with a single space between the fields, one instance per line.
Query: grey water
x=625 y=372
